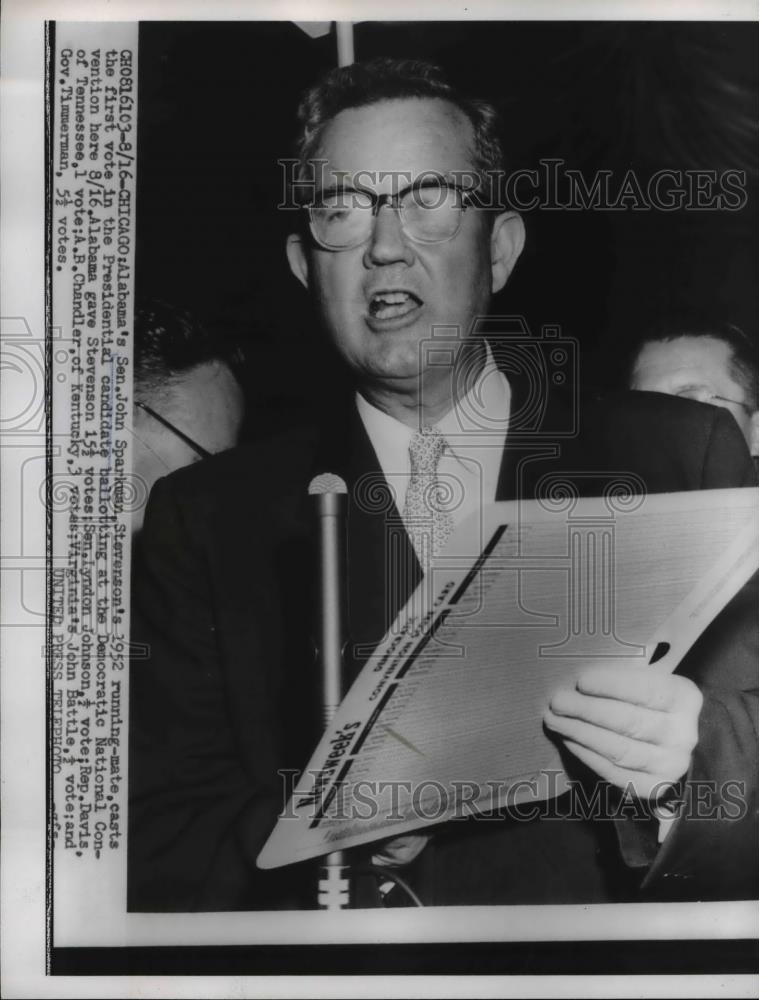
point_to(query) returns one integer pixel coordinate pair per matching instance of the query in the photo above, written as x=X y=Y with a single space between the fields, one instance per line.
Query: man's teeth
x=388 y=305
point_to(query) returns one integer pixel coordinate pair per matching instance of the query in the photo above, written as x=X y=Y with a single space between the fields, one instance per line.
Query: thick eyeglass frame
x=395 y=201
x=197 y=448
x=709 y=396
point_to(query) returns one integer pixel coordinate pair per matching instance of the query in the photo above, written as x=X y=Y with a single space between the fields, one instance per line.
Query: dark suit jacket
x=222 y=597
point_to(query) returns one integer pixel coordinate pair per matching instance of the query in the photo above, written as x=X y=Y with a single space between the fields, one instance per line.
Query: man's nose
x=389 y=244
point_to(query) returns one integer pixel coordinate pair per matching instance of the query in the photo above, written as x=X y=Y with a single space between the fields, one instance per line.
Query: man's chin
x=397 y=362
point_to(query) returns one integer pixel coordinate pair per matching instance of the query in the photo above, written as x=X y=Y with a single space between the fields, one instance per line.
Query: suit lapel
x=515 y=479
x=507 y=488
x=529 y=453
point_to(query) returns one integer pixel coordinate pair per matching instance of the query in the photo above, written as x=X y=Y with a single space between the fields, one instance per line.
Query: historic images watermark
x=369 y=801
x=552 y=185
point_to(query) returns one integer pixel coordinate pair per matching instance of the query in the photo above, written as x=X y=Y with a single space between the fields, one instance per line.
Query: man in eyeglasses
x=388 y=260
x=401 y=248
x=712 y=363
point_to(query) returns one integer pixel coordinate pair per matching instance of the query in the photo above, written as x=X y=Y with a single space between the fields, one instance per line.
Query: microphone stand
x=331 y=502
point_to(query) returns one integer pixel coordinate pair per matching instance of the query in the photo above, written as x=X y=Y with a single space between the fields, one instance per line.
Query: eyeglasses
x=429 y=212
x=704 y=395
x=197 y=448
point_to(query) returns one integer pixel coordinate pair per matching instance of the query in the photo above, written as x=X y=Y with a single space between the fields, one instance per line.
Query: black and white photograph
x=380 y=444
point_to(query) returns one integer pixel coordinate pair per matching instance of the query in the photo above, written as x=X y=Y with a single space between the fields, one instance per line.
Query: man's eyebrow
x=431 y=179
x=427 y=179
x=340 y=189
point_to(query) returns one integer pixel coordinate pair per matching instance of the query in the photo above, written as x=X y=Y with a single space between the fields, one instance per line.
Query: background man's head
x=710 y=362
x=378 y=129
x=188 y=401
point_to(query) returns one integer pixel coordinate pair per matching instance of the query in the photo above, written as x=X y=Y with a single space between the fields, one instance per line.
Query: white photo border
x=719 y=928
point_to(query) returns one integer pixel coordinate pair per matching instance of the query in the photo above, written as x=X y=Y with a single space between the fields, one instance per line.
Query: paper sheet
x=445 y=718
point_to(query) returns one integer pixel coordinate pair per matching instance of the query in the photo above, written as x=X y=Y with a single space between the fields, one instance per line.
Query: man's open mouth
x=392 y=304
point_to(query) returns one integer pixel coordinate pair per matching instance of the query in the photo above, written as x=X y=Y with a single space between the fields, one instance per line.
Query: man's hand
x=636 y=728
x=400 y=850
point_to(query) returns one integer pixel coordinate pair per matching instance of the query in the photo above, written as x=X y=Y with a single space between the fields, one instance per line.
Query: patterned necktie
x=428 y=524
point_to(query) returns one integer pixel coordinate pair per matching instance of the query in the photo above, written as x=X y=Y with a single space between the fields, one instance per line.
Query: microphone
x=330 y=501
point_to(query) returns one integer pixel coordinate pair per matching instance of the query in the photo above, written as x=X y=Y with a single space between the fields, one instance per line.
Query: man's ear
x=506 y=242
x=297 y=258
x=753 y=440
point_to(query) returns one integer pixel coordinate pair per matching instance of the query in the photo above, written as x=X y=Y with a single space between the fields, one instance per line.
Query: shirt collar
x=480 y=417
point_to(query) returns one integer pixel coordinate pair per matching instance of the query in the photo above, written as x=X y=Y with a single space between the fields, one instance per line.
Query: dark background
x=217 y=110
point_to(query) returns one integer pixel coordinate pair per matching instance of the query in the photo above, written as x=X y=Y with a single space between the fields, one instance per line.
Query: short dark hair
x=387 y=79
x=744 y=352
x=169 y=342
